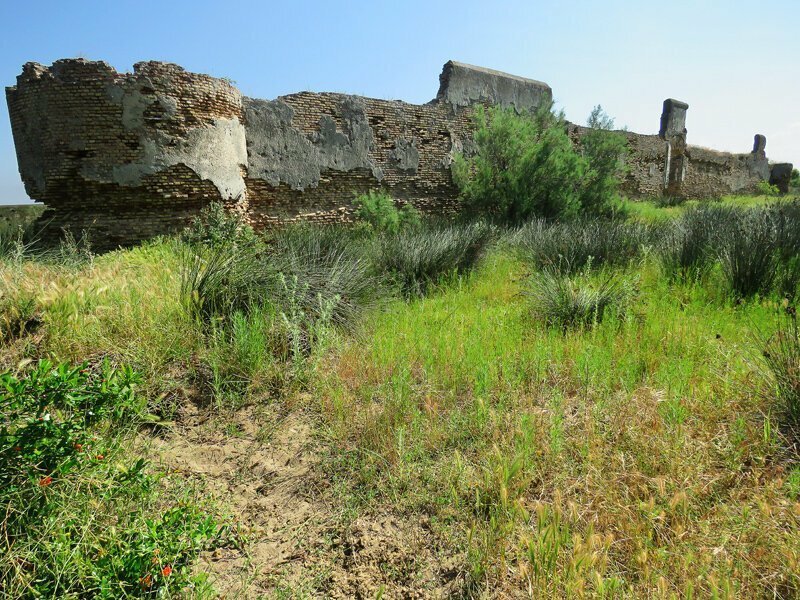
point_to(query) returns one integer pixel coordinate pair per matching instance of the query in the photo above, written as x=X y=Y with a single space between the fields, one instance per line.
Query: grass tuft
x=577 y=302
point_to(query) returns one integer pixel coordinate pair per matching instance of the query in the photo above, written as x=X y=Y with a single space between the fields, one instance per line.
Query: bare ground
x=264 y=467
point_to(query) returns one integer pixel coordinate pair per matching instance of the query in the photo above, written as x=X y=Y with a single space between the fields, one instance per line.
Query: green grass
x=649 y=211
x=646 y=454
x=636 y=442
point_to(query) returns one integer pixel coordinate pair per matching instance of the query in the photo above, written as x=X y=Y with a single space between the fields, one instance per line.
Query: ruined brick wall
x=309 y=154
x=131 y=155
x=343 y=146
x=645 y=162
x=711 y=174
x=127 y=156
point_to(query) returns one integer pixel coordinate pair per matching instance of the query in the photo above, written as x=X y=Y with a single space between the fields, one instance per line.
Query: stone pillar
x=673 y=130
x=760 y=145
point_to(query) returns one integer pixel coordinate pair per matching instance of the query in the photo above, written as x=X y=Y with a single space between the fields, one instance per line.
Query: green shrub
x=569 y=247
x=217 y=226
x=418 y=259
x=48 y=415
x=794 y=181
x=767 y=189
x=604 y=151
x=379 y=210
x=525 y=166
x=568 y=303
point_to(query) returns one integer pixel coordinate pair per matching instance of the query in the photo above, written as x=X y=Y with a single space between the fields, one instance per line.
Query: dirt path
x=265 y=469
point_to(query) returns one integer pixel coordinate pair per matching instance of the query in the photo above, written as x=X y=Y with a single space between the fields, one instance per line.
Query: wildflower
x=166 y=571
x=146 y=581
x=78 y=446
x=17 y=449
x=99 y=457
x=45 y=481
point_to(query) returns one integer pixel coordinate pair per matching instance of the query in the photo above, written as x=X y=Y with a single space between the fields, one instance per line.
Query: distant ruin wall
x=132 y=155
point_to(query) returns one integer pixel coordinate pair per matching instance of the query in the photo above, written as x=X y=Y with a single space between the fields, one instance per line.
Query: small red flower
x=17 y=449
x=166 y=571
x=146 y=581
x=45 y=481
x=100 y=457
x=78 y=447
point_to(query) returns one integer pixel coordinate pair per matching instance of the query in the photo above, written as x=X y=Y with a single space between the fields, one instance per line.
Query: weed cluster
x=567 y=303
x=571 y=246
x=757 y=249
x=418 y=259
x=77 y=516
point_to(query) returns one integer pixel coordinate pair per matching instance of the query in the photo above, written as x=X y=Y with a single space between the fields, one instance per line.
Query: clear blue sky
x=734 y=61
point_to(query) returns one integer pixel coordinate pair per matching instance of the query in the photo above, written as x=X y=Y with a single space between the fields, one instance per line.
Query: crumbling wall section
x=310 y=154
x=127 y=155
x=645 y=162
x=711 y=174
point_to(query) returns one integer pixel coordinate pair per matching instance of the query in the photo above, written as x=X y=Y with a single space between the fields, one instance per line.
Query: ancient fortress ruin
x=127 y=156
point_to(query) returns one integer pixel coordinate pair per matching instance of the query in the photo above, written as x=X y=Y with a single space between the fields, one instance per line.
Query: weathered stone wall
x=132 y=155
x=309 y=154
x=645 y=162
x=711 y=174
x=128 y=156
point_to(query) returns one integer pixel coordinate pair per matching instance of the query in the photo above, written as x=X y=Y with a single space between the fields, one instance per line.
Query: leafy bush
x=217 y=226
x=604 y=151
x=525 y=166
x=569 y=303
x=48 y=415
x=569 y=247
x=73 y=522
x=794 y=181
x=418 y=259
x=379 y=211
x=767 y=189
